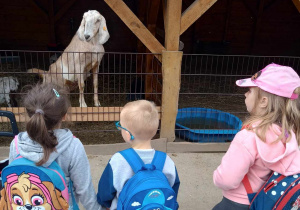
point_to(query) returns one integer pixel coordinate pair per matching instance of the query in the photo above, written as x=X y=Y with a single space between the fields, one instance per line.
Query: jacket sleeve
x=80 y=174
x=12 y=151
x=106 y=191
x=235 y=164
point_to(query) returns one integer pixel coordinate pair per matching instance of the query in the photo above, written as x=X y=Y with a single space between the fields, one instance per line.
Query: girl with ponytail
x=44 y=141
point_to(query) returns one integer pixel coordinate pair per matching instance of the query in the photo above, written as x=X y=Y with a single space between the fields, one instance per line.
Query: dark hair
x=46 y=109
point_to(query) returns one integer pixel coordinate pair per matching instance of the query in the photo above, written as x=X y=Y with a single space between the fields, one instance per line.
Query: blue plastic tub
x=206 y=125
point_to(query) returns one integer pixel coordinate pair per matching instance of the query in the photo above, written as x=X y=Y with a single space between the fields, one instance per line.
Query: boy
x=138 y=124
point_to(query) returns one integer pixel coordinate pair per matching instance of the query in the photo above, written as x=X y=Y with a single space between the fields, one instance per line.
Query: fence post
x=171 y=70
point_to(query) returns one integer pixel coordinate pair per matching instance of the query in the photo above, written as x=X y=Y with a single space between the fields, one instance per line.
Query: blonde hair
x=140 y=118
x=282 y=111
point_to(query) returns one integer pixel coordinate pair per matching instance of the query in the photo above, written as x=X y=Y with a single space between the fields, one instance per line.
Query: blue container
x=206 y=125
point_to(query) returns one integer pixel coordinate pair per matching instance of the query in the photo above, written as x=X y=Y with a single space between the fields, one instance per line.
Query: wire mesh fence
x=122 y=77
x=211 y=106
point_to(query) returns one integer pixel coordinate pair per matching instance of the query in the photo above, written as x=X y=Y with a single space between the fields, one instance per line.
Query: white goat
x=7 y=84
x=83 y=54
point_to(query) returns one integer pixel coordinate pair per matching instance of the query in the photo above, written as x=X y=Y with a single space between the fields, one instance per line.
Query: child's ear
x=127 y=136
x=263 y=102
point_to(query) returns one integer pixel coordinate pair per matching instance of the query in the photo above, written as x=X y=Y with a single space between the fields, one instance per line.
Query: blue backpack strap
x=159 y=160
x=133 y=159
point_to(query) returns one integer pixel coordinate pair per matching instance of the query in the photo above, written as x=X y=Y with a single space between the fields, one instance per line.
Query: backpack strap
x=159 y=160
x=247 y=185
x=133 y=159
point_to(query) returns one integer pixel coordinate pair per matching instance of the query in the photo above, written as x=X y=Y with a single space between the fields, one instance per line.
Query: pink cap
x=276 y=79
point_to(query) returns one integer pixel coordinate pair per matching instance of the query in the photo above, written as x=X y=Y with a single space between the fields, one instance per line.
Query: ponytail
x=46 y=105
x=37 y=131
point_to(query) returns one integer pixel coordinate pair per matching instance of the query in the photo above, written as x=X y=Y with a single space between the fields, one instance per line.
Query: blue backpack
x=149 y=188
x=27 y=186
x=279 y=192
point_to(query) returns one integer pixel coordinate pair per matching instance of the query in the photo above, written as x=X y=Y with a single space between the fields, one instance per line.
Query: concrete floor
x=196 y=192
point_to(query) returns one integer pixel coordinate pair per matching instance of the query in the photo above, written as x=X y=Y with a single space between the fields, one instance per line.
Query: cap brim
x=245 y=83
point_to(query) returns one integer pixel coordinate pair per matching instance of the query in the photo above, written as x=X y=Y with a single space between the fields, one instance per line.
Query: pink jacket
x=248 y=154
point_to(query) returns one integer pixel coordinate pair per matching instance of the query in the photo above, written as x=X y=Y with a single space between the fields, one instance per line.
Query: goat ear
x=80 y=31
x=103 y=32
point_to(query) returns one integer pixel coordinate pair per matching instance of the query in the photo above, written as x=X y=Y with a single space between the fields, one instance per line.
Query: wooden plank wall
x=227 y=27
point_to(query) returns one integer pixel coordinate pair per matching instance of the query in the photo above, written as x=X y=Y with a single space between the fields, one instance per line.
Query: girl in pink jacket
x=268 y=140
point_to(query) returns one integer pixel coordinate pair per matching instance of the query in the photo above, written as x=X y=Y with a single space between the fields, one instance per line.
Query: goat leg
x=7 y=99
x=95 y=82
x=81 y=89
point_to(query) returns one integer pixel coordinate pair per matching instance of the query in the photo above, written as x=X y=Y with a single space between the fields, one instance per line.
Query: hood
x=34 y=151
x=279 y=156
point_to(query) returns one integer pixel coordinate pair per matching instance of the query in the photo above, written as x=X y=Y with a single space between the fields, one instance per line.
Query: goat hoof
x=83 y=105
x=97 y=103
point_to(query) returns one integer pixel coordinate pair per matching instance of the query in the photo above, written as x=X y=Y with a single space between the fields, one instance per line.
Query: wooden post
x=171 y=69
x=172 y=24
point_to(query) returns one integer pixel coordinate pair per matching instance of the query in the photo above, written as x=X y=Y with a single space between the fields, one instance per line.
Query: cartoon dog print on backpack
x=27 y=191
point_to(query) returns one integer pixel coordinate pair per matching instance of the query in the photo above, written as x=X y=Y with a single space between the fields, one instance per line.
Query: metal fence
x=211 y=107
x=122 y=77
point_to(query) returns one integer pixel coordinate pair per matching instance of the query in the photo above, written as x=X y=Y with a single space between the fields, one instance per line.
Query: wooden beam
x=193 y=12
x=171 y=69
x=151 y=25
x=75 y=114
x=41 y=12
x=297 y=4
x=140 y=62
x=149 y=77
x=64 y=9
x=136 y=26
x=164 y=6
x=152 y=15
x=172 y=24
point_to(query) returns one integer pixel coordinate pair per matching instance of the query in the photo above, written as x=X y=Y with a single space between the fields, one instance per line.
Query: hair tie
x=56 y=93
x=39 y=111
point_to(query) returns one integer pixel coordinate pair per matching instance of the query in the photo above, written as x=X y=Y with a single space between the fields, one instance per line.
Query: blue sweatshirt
x=118 y=172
